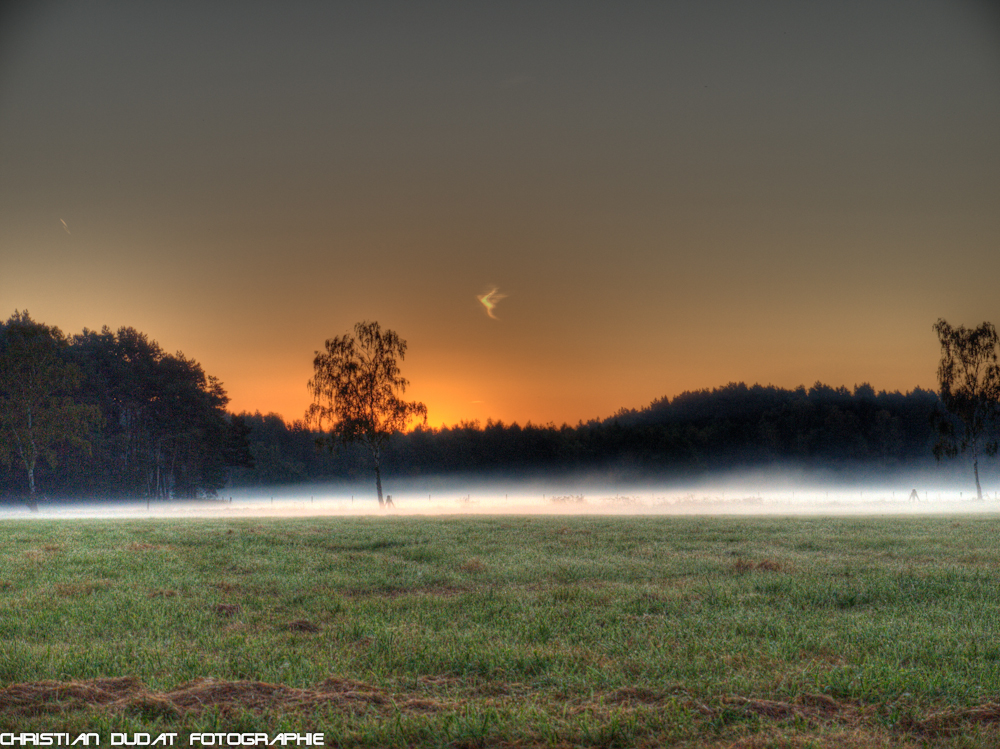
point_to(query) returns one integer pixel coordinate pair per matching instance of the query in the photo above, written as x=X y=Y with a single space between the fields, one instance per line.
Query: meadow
x=509 y=631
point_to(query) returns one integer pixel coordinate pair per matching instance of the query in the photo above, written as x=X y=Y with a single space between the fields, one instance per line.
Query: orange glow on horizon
x=440 y=413
x=450 y=402
x=446 y=406
x=666 y=208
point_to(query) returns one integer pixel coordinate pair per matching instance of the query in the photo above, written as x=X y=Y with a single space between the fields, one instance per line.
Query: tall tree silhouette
x=970 y=390
x=356 y=388
x=167 y=432
x=37 y=411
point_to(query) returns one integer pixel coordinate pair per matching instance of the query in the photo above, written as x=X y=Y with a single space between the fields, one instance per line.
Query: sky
x=668 y=196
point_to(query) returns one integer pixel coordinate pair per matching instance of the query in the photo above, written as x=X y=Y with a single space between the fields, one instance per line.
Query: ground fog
x=931 y=490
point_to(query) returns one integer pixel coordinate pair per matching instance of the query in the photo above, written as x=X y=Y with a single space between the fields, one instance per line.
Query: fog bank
x=754 y=492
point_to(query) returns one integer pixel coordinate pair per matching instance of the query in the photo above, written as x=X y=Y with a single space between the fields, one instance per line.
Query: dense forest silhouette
x=696 y=432
x=157 y=426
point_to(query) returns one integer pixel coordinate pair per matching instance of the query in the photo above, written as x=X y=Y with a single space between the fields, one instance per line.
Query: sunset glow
x=676 y=196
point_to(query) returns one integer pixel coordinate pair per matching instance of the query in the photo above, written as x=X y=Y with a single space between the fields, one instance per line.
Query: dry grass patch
x=742 y=566
x=853 y=738
x=302 y=625
x=163 y=593
x=822 y=657
x=56 y=696
x=474 y=565
x=814 y=707
x=440 y=591
x=948 y=722
x=84 y=588
x=129 y=695
x=632 y=696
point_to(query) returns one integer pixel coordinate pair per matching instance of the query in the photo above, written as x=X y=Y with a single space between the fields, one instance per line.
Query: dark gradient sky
x=671 y=195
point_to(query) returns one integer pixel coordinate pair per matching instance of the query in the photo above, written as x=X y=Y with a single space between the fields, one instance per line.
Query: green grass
x=517 y=631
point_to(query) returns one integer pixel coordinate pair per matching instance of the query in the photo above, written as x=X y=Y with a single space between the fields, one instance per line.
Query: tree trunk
x=376 y=459
x=378 y=481
x=29 y=463
x=31 y=501
x=975 y=465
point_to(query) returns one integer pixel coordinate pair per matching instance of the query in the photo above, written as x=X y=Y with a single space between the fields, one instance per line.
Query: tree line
x=109 y=414
x=357 y=391
x=732 y=426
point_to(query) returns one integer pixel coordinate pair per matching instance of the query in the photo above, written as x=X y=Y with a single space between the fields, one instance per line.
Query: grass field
x=508 y=631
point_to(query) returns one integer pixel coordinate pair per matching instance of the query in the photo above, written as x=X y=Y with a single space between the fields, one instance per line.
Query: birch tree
x=356 y=389
x=37 y=411
x=970 y=390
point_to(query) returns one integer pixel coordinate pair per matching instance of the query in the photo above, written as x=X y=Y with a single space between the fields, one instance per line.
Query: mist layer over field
x=948 y=489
